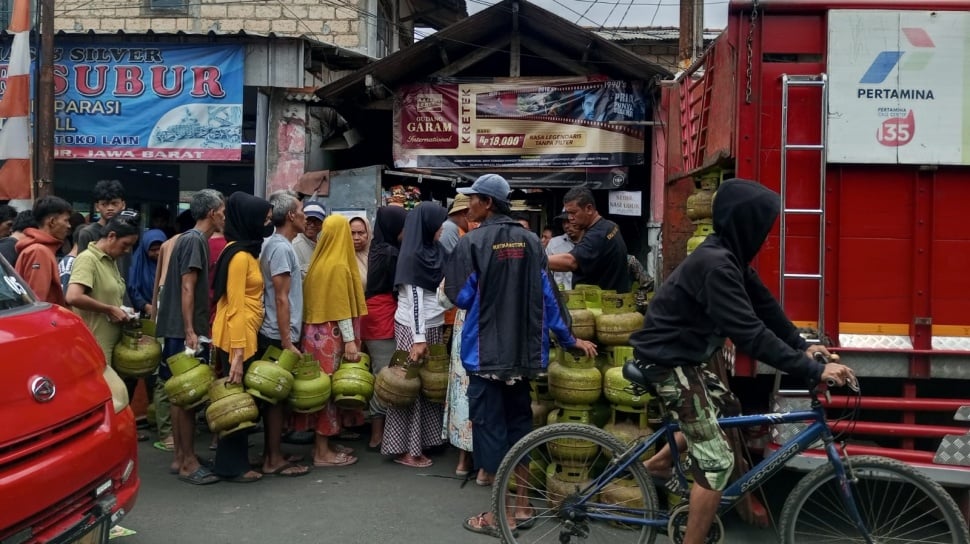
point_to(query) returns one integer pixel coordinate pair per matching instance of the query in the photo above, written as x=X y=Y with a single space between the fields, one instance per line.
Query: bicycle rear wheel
x=897 y=503
x=556 y=464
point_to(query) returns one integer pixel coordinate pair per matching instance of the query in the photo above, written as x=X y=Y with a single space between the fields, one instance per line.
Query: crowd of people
x=243 y=273
x=240 y=274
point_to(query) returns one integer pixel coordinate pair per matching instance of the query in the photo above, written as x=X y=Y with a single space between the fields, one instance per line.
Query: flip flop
x=202 y=463
x=413 y=462
x=162 y=445
x=289 y=458
x=201 y=476
x=343 y=461
x=244 y=479
x=478 y=525
x=340 y=448
x=281 y=471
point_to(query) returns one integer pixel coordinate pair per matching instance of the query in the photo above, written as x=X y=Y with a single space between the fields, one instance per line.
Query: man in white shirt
x=564 y=243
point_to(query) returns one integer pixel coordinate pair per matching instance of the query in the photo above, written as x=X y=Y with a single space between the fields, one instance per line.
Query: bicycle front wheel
x=545 y=487
x=897 y=503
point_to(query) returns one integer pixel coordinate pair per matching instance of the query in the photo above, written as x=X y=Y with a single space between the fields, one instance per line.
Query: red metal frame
x=896 y=242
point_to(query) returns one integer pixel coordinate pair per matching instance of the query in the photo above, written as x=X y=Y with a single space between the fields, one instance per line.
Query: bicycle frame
x=753 y=479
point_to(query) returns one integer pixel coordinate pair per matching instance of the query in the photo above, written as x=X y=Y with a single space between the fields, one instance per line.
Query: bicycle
x=584 y=485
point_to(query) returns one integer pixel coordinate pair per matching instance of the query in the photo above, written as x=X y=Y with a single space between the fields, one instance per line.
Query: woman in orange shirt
x=238 y=290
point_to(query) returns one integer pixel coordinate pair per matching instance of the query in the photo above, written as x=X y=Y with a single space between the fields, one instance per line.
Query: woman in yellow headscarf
x=333 y=302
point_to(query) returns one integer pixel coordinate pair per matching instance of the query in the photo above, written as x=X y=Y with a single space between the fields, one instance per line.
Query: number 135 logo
x=897 y=131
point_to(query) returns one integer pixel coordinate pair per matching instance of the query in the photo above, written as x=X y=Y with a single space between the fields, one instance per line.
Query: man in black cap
x=497 y=273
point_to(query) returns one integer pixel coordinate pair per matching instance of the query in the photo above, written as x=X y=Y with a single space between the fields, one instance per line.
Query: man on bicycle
x=715 y=294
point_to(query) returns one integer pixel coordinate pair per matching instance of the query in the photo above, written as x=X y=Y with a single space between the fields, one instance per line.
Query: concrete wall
x=320 y=21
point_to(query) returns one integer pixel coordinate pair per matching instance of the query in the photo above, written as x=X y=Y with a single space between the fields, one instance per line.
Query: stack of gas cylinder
x=592 y=391
x=400 y=382
x=699 y=210
x=278 y=376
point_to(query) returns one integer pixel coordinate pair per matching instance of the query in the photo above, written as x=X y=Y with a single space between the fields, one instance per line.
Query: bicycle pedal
x=674 y=486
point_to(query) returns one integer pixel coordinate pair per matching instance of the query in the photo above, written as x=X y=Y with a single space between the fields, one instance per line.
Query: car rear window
x=14 y=293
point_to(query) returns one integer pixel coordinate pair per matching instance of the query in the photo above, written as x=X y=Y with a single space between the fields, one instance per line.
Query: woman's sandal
x=478 y=524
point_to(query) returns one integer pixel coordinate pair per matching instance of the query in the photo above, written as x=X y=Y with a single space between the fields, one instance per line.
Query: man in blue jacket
x=497 y=273
x=713 y=294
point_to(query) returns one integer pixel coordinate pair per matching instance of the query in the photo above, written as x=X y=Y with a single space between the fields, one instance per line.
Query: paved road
x=374 y=501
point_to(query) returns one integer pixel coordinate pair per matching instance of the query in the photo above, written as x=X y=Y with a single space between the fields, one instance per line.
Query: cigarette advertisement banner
x=146 y=102
x=899 y=87
x=485 y=125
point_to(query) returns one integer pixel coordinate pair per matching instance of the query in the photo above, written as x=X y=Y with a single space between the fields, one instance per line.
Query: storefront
x=514 y=90
x=168 y=115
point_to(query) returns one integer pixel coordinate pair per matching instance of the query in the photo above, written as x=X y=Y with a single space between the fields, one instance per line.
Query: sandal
x=340 y=448
x=245 y=478
x=478 y=524
x=413 y=462
x=282 y=470
x=342 y=460
x=201 y=476
x=165 y=445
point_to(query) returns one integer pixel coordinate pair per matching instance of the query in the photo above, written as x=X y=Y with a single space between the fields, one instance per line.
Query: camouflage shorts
x=694 y=397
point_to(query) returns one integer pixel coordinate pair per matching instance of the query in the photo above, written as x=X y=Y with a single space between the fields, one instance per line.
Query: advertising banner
x=484 y=125
x=147 y=102
x=898 y=90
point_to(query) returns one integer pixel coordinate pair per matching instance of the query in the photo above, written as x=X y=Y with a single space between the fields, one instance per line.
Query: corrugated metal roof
x=646 y=33
x=480 y=31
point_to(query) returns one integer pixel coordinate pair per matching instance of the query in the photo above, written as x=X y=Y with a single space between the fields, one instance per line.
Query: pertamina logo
x=900 y=126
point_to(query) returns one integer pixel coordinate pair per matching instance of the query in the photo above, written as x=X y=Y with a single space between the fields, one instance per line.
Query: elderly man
x=306 y=241
x=183 y=318
x=497 y=273
x=283 y=315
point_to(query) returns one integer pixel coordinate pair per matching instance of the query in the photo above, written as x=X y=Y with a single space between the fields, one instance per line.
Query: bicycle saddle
x=634 y=374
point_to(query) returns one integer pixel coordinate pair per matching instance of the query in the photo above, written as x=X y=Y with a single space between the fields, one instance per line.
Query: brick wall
x=293 y=18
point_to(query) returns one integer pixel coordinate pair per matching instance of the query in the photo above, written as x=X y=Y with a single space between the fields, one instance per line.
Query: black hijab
x=245 y=228
x=421 y=256
x=382 y=258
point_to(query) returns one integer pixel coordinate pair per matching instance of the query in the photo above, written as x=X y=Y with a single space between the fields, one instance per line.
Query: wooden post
x=45 y=102
x=515 y=46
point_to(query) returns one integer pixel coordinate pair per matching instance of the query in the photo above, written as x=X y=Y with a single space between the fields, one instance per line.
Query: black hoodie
x=715 y=293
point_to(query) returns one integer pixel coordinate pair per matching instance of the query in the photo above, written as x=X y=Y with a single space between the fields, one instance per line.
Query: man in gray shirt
x=283 y=314
x=183 y=318
x=456 y=225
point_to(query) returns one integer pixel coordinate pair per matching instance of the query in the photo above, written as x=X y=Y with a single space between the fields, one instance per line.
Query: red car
x=68 y=447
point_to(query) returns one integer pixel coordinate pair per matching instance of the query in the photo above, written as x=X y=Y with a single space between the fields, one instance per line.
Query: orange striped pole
x=15 y=175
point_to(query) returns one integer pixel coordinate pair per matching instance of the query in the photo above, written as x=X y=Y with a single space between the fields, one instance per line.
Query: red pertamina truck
x=858 y=114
